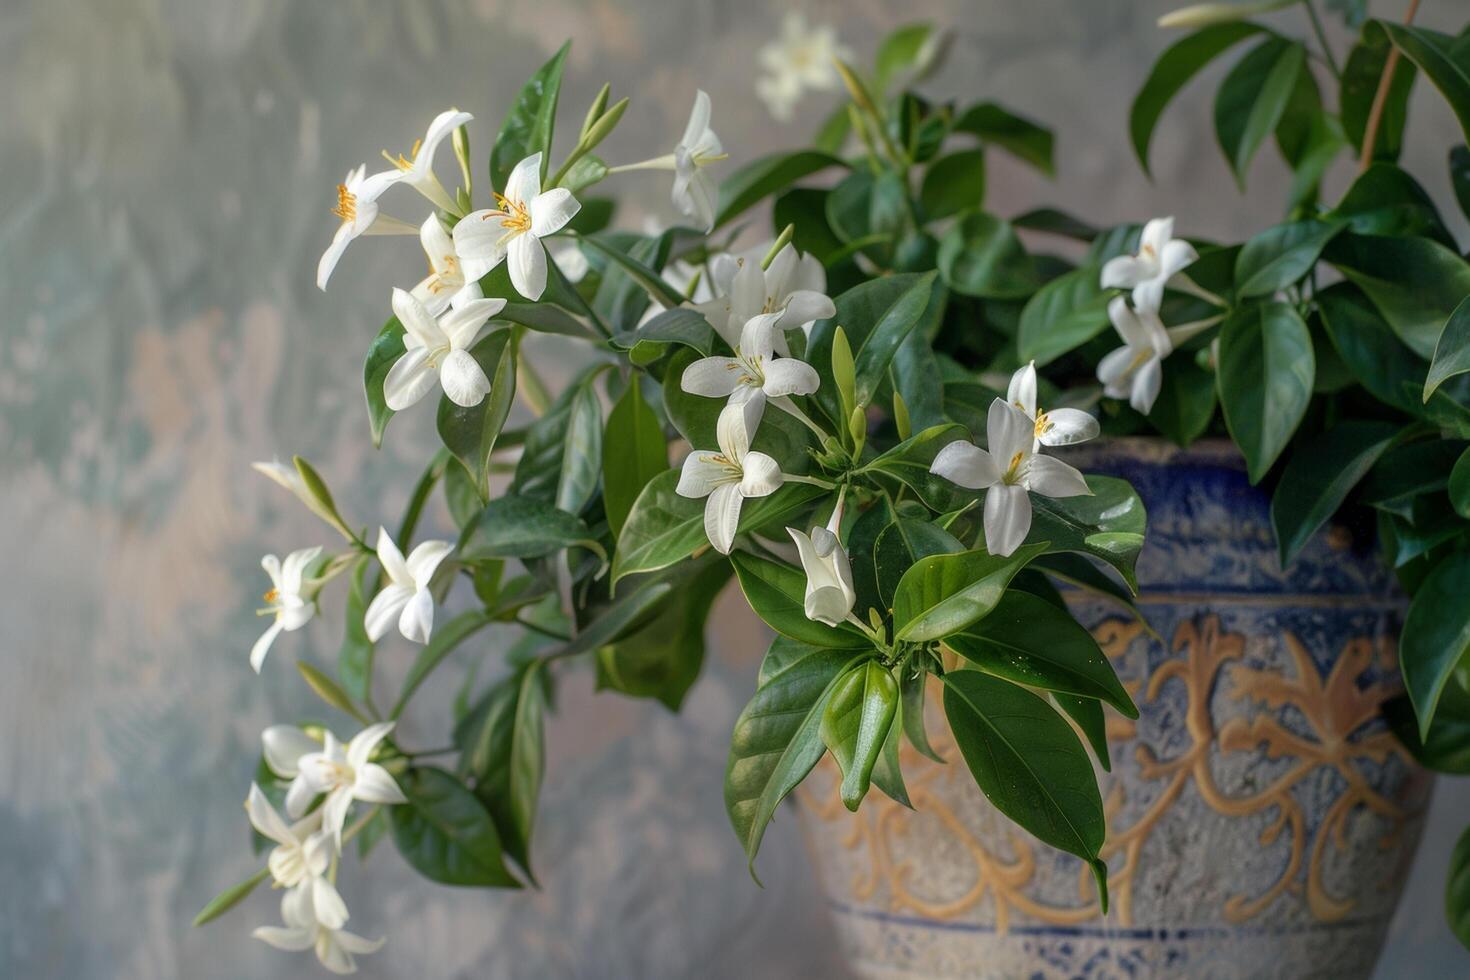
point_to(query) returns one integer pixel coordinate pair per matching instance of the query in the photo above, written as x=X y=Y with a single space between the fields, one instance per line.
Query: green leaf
x=943 y=594
x=527 y=762
x=444 y=640
x=901 y=56
x=386 y=348
x=645 y=276
x=581 y=451
x=633 y=453
x=676 y=326
x=1175 y=67
x=470 y=433
x=230 y=897
x=888 y=770
x=1028 y=762
x=1452 y=351
x=1361 y=75
x=898 y=547
x=911 y=713
x=1028 y=141
x=663 y=659
x=1416 y=283
x=1063 y=315
x=909 y=462
x=1280 y=256
x=664 y=528
x=1460 y=176
x=523 y=527
x=545 y=318
x=1436 y=635
x=1253 y=97
x=329 y=691
x=1088 y=714
x=1318 y=477
x=1384 y=200
x=1265 y=380
x=868 y=214
x=912 y=373
x=1368 y=346
x=1029 y=641
x=1186 y=402
x=1457 y=890
x=445 y=833
x=777 y=594
x=355 y=659
x=1107 y=524
x=855 y=725
x=953 y=183
x=1460 y=485
x=776 y=741
x=980 y=255
x=1447 y=749
x=1445 y=61
x=766 y=176
x=527 y=127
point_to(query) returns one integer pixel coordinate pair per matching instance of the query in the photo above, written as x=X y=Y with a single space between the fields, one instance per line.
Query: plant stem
x=543 y=630
x=812 y=480
x=1380 y=98
x=1182 y=282
x=789 y=407
x=1322 y=40
x=360 y=823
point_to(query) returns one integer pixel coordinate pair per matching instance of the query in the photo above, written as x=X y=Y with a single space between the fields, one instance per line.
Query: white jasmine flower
x=417 y=169
x=800 y=58
x=1006 y=472
x=829 y=593
x=1160 y=256
x=451 y=281
x=1135 y=370
x=343 y=773
x=357 y=206
x=695 y=193
x=794 y=285
x=406 y=597
x=301 y=856
x=754 y=368
x=732 y=474
x=513 y=231
x=303 y=930
x=437 y=350
x=285 y=602
x=1060 y=426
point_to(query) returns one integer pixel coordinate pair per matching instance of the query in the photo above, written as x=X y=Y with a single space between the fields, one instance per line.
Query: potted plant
x=830 y=394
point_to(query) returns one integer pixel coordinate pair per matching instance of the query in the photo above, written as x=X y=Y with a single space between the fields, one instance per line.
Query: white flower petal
x=463 y=379
x=334 y=812
x=1146 y=382
x=479 y=237
x=299 y=796
x=416 y=621
x=702 y=472
x=1051 y=477
x=1126 y=323
x=392 y=559
x=1067 y=427
x=524 y=182
x=1123 y=272
x=465 y=320
x=1113 y=371
x=1156 y=235
x=1022 y=390
x=736 y=426
x=263 y=645
x=698 y=119
x=289 y=940
x=328 y=262
x=551 y=211
x=283 y=747
x=361 y=748
x=712 y=377
x=357 y=944
x=385 y=609
x=265 y=819
x=1009 y=433
x=1007 y=518
x=527 y=265
x=420 y=329
x=805 y=306
x=757 y=337
x=722 y=516
x=327 y=904
x=761 y=475
x=1175 y=256
x=966 y=465
x=425 y=559
x=789 y=376
x=410 y=378
x=293 y=569
x=1148 y=296
x=375 y=785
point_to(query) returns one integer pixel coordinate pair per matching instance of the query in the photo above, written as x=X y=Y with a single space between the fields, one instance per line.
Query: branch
x=1380 y=98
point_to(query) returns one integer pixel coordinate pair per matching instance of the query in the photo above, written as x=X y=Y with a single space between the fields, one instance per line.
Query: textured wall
x=168 y=166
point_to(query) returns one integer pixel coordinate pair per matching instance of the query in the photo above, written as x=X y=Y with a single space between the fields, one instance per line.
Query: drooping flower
x=1160 y=256
x=1058 y=427
x=799 y=58
x=1135 y=370
x=406 y=597
x=417 y=169
x=301 y=856
x=1006 y=472
x=285 y=602
x=754 y=368
x=829 y=594
x=695 y=193
x=731 y=475
x=357 y=206
x=303 y=930
x=452 y=281
x=794 y=285
x=437 y=350
x=343 y=773
x=513 y=230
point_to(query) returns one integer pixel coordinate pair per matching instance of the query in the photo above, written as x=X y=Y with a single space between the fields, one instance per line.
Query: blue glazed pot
x=1261 y=817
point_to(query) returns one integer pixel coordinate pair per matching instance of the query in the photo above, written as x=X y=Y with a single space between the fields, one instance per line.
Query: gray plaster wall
x=166 y=169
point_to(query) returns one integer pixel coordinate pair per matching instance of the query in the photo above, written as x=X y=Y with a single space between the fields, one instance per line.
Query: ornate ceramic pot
x=1261 y=818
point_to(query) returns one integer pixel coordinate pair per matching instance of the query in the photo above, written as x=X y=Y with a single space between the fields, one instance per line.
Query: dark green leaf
x=899 y=546
x=1436 y=635
x=1447 y=749
x=1253 y=97
x=1280 y=256
x=386 y=348
x=855 y=724
x=1415 y=282
x=470 y=433
x=909 y=462
x=888 y=770
x=944 y=594
x=1088 y=714
x=777 y=594
x=523 y=527
x=1265 y=380
x=445 y=833
x=1028 y=141
x=1319 y=476
x=1186 y=402
x=980 y=255
x=676 y=326
x=443 y=642
x=355 y=659
x=1375 y=355
x=644 y=275
x=766 y=176
x=1460 y=176
x=1452 y=351
x=1385 y=200
x=911 y=711
x=528 y=125
x=1445 y=61
x=953 y=183
x=1108 y=524
x=633 y=453
x=1063 y=315
x=1361 y=75
x=1460 y=485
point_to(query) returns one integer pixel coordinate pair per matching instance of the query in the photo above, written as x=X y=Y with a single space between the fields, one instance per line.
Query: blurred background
x=168 y=167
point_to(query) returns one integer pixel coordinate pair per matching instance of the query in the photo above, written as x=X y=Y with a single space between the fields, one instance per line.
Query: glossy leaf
x=1384 y=200
x=909 y=462
x=230 y=897
x=1029 y=763
x=1265 y=380
x=1361 y=74
x=1381 y=362
x=1063 y=315
x=633 y=453
x=445 y=833
x=776 y=741
x=1029 y=641
x=523 y=527
x=1318 y=477
x=1279 y=256
x=446 y=637
x=912 y=689
x=1416 y=283
x=953 y=183
x=1452 y=351
x=355 y=658
x=1186 y=402
x=1445 y=61
x=1176 y=66
x=855 y=725
x=528 y=126
x=944 y=594
x=470 y=433
x=1087 y=713
x=1459 y=485
x=776 y=593
x=1436 y=635
x=902 y=543
x=766 y=176
x=1028 y=141
x=981 y=256
x=1108 y=524
x=386 y=348
x=1253 y=97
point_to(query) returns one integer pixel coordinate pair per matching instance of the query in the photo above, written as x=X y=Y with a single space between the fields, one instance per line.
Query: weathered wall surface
x=167 y=170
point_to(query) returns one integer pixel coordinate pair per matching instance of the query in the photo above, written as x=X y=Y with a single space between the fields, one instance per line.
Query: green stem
x=356 y=828
x=811 y=480
x=789 y=407
x=1322 y=39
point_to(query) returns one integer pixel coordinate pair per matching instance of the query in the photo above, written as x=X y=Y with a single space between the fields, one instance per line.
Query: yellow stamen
x=346 y=208
x=272 y=595
x=402 y=162
x=512 y=214
x=1010 y=476
x=1043 y=424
